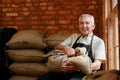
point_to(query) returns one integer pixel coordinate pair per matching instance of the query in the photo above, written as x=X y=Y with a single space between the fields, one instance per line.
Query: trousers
x=62 y=76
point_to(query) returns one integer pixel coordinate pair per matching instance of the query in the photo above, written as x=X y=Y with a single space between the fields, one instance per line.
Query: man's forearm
x=68 y=50
x=60 y=47
x=96 y=65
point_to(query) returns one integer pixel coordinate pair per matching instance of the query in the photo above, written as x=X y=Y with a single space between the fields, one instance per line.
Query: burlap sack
x=55 y=39
x=82 y=61
x=30 y=69
x=21 y=77
x=103 y=75
x=27 y=39
x=26 y=55
x=55 y=60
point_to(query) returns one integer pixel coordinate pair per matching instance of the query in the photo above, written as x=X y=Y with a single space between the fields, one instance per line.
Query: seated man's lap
x=61 y=76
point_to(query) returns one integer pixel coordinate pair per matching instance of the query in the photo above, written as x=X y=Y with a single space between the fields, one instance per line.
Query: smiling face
x=86 y=25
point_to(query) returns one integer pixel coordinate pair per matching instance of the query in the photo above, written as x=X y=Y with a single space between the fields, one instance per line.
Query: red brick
x=64 y=21
x=51 y=22
x=50 y=12
x=52 y=28
x=6 y=18
x=25 y=13
x=7 y=23
x=2 y=5
x=50 y=8
x=91 y=2
x=29 y=4
x=18 y=1
x=19 y=18
x=43 y=4
x=47 y=17
x=11 y=14
x=6 y=1
x=8 y=9
x=36 y=4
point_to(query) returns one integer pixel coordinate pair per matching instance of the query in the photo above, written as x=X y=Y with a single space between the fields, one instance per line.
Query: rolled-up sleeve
x=100 y=50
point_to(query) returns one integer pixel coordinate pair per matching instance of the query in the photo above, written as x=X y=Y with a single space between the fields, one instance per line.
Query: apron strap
x=91 y=40
x=77 y=39
x=90 y=43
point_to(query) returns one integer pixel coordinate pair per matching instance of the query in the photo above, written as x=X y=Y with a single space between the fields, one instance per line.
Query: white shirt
x=98 y=46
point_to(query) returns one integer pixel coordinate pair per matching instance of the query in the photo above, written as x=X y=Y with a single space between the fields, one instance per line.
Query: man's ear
x=93 y=26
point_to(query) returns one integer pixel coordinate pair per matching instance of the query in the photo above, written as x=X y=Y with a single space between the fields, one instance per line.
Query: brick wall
x=48 y=16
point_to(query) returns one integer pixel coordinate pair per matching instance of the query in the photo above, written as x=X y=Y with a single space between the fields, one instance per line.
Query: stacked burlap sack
x=55 y=39
x=28 y=49
x=25 y=48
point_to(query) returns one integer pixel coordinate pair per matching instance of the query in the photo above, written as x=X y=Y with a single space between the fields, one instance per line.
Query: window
x=114 y=3
x=110 y=23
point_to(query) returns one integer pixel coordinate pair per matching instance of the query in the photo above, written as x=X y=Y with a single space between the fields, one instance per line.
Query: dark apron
x=88 y=47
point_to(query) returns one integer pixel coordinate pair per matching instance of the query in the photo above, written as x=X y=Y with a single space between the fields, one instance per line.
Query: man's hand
x=68 y=68
x=69 y=51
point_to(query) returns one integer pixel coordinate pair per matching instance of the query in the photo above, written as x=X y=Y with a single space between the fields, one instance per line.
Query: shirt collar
x=89 y=36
